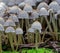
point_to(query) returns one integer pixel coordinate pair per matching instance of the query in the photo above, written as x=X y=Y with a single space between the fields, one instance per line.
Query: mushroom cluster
x=19 y=18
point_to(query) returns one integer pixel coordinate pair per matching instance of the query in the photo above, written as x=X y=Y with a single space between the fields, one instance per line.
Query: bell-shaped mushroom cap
x=10 y=30
x=23 y=15
x=2 y=21
x=55 y=6
x=14 y=18
x=31 y=30
x=14 y=9
x=19 y=31
x=4 y=5
x=18 y=1
x=30 y=2
x=28 y=8
x=41 y=5
x=43 y=12
x=58 y=1
x=11 y=3
x=36 y=25
x=1 y=27
x=21 y=5
x=9 y=22
x=34 y=15
x=2 y=9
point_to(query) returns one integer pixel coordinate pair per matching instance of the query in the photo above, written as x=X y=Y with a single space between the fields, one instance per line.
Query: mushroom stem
x=15 y=39
x=54 y=27
x=0 y=42
x=32 y=36
x=20 y=41
x=41 y=20
x=10 y=37
x=28 y=37
x=59 y=22
x=36 y=39
x=27 y=24
x=22 y=23
x=48 y=24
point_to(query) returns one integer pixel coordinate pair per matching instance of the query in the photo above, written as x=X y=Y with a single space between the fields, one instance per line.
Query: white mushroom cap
x=23 y=15
x=4 y=5
x=34 y=15
x=14 y=18
x=2 y=10
x=22 y=5
x=18 y=1
x=10 y=30
x=43 y=12
x=1 y=27
x=2 y=21
x=9 y=22
x=19 y=31
x=36 y=25
x=14 y=9
x=31 y=30
x=55 y=6
x=11 y=3
x=28 y=8
x=58 y=1
x=41 y=5
x=30 y=2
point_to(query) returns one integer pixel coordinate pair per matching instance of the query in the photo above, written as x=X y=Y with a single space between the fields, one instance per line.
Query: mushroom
x=54 y=23
x=21 y=5
x=34 y=16
x=58 y=1
x=11 y=3
x=28 y=8
x=15 y=19
x=4 y=5
x=44 y=13
x=24 y=15
x=1 y=32
x=55 y=6
x=37 y=27
x=41 y=5
x=8 y=23
x=17 y=2
x=14 y=10
x=10 y=31
x=19 y=32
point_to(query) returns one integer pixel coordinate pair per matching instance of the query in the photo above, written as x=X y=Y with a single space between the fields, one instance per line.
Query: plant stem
x=10 y=37
x=0 y=42
x=55 y=27
x=20 y=41
x=36 y=39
